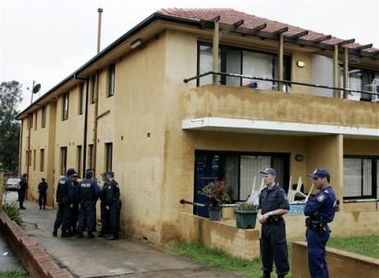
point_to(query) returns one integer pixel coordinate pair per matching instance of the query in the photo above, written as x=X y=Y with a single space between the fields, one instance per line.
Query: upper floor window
x=36 y=120
x=111 y=80
x=79 y=159
x=242 y=62
x=362 y=80
x=42 y=160
x=65 y=106
x=82 y=93
x=43 y=117
x=93 y=86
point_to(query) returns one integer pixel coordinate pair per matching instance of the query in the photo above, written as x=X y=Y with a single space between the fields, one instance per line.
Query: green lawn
x=365 y=245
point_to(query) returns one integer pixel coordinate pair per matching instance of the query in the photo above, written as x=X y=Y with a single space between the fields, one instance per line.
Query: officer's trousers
x=87 y=217
x=316 y=252
x=63 y=218
x=114 y=217
x=273 y=244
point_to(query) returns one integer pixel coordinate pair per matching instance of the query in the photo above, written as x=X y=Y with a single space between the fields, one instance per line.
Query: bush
x=13 y=212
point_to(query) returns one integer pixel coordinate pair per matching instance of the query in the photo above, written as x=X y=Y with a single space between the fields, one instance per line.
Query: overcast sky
x=47 y=40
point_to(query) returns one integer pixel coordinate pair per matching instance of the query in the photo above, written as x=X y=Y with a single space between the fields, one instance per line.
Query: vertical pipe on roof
x=280 y=61
x=345 y=71
x=216 y=37
x=336 y=93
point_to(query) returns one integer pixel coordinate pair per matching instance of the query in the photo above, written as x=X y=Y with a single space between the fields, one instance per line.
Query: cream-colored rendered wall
x=301 y=74
x=69 y=132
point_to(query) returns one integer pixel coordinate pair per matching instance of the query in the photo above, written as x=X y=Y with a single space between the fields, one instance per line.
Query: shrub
x=13 y=212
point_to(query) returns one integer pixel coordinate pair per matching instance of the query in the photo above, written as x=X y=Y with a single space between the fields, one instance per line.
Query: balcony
x=242 y=109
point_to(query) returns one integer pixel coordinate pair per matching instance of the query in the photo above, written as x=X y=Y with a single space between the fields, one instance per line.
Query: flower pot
x=246 y=219
x=215 y=213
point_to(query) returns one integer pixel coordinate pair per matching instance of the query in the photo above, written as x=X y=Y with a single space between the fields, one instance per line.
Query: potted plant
x=246 y=215
x=217 y=193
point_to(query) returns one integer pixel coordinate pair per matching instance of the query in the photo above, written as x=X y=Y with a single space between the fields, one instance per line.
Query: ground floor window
x=239 y=168
x=360 y=177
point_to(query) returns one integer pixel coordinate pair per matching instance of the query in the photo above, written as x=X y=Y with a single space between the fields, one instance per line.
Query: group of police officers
x=76 y=201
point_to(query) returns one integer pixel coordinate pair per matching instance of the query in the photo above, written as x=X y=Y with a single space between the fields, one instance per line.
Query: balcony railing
x=286 y=83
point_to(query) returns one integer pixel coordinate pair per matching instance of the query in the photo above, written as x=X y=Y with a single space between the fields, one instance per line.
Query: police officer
x=320 y=210
x=22 y=190
x=104 y=212
x=64 y=198
x=42 y=189
x=75 y=205
x=273 y=203
x=88 y=194
x=113 y=205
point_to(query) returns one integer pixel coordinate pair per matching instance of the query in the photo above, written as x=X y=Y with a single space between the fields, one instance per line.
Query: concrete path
x=97 y=257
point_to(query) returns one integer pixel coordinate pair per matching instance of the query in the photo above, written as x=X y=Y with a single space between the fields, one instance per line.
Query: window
x=63 y=160
x=35 y=120
x=111 y=80
x=34 y=159
x=43 y=117
x=79 y=159
x=240 y=169
x=360 y=175
x=243 y=62
x=42 y=160
x=29 y=158
x=65 y=106
x=93 y=88
x=108 y=156
x=361 y=80
x=90 y=157
x=30 y=121
x=82 y=93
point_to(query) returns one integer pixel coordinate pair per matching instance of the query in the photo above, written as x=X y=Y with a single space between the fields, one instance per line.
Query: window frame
x=111 y=80
x=65 y=106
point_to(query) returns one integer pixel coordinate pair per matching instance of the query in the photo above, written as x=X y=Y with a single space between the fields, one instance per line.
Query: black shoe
x=40 y=207
x=66 y=234
x=55 y=233
x=22 y=207
x=101 y=235
x=44 y=207
x=80 y=235
x=90 y=235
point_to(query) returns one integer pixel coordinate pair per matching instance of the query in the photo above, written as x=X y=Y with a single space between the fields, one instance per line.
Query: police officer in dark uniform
x=113 y=205
x=88 y=194
x=75 y=205
x=320 y=210
x=104 y=212
x=22 y=190
x=273 y=203
x=64 y=198
x=42 y=189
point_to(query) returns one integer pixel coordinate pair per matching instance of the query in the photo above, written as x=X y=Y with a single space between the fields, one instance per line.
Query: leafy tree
x=10 y=98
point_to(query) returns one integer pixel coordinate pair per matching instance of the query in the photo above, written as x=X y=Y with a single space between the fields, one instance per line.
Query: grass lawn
x=364 y=245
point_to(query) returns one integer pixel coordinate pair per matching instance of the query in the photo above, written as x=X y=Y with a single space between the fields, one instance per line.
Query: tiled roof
x=230 y=16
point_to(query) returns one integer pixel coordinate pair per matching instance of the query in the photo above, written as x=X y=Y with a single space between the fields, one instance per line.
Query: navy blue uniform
x=42 y=189
x=75 y=207
x=113 y=206
x=321 y=210
x=22 y=191
x=88 y=194
x=64 y=198
x=104 y=212
x=273 y=242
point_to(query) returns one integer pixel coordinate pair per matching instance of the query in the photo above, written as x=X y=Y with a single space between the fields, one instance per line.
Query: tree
x=10 y=98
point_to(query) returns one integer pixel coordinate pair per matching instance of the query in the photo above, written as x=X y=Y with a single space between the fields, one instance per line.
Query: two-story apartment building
x=189 y=95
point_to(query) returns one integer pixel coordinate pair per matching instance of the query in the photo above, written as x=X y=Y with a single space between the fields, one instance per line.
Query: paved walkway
x=97 y=257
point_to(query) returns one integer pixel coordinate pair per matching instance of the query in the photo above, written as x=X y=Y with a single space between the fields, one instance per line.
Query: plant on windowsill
x=246 y=215
x=217 y=193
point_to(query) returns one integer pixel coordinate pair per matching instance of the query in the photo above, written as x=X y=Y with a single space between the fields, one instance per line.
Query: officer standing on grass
x=273 y=204
x=320 y=210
